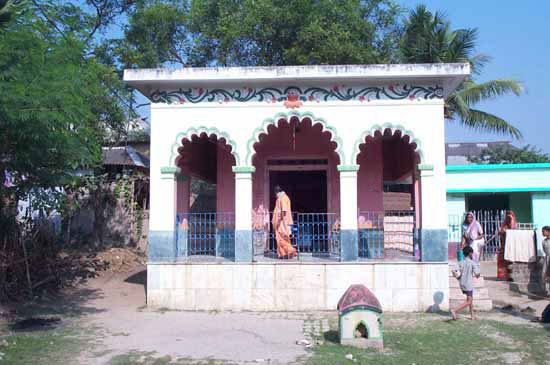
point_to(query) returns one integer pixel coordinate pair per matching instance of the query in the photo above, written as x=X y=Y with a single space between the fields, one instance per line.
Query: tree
x=9 y=10
x=428 y=38
x=507 y=154
x=57 y=102
x=260 y=33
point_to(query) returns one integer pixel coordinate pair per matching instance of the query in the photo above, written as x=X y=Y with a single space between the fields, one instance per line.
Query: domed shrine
x=360 y=318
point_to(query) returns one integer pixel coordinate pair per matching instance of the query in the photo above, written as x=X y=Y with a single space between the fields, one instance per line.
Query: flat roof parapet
x=449 y=75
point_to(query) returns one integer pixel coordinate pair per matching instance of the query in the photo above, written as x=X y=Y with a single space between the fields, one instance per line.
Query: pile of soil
x=122 y=259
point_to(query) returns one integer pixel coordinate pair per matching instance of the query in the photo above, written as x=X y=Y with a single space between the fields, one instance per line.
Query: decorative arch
x=301 y=116
x=198 y=131
x=381 y=128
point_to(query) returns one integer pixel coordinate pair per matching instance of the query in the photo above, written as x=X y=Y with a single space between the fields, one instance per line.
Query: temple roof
x=448 y=75
x=356 y=296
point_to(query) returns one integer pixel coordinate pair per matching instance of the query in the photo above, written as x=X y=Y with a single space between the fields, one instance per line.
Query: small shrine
x=360 y=318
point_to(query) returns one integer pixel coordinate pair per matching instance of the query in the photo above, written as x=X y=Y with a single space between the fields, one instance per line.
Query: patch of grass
x=163 y=310
x=431 y=339
x=149 y=358
x=54 y=346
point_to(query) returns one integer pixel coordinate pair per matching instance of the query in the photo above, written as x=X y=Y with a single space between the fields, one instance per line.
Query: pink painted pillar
x=182 y=190
x=225 y=182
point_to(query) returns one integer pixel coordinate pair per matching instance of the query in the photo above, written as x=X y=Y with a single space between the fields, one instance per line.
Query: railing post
x=243 y=212
x=348 y=212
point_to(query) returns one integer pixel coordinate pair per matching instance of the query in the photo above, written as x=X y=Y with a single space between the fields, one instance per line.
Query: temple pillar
x=434 y=224
x=183 y=193
x=243 y=213
x=348 y=212
x=162 y=234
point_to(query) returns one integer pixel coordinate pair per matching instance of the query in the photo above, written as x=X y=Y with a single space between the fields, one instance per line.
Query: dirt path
x=129 y=330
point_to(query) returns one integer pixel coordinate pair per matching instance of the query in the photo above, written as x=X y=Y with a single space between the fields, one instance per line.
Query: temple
x=360 y=152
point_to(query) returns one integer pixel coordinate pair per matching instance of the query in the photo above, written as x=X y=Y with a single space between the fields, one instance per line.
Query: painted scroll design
x=293 y=96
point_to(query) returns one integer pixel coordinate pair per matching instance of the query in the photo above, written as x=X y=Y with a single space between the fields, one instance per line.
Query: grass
x=431 y=339
x=149 y=358
x=51 y=346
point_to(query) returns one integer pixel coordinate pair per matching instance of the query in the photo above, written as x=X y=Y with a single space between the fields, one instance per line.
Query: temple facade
x=360 y=152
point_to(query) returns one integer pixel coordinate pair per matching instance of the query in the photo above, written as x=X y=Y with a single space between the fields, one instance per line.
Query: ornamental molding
x=294 y=97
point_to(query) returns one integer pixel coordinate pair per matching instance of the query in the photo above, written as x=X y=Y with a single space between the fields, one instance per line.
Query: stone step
x=479 y=304
x=481 y=293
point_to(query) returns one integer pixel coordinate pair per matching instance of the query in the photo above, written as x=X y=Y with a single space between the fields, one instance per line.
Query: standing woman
x=510 y=222
x=472 y=235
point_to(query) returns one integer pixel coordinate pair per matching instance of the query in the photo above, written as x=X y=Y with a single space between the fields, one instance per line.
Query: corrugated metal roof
x=123 y=156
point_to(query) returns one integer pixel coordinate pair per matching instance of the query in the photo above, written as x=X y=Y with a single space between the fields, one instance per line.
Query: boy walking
x=467 y=269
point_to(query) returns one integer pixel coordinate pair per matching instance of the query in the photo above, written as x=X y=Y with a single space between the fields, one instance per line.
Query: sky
x=516 y=35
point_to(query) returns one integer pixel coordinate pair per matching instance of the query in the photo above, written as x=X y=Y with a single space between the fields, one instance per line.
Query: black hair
x=546 y=228
x=467 y=251
x=277 y=189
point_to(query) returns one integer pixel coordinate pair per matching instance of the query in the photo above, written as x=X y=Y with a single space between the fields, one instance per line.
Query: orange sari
x=282 y=220
x=503 y=273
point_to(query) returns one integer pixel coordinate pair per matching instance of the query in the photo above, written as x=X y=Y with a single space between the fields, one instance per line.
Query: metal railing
x=388 y=234
x=314 y=236
x=205 y=234
x=490 y=221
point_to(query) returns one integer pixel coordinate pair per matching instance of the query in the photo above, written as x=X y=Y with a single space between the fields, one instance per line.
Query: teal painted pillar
x=540 y=205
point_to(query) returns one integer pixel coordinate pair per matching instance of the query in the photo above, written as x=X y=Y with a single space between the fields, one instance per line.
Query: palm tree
x=428 y=38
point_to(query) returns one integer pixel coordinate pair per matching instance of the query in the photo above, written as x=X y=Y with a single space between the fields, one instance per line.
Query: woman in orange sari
x=510 y=222
x=282 y=222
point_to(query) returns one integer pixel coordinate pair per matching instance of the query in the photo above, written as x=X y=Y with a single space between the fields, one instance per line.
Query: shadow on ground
x=332 y=337
x=139 y=278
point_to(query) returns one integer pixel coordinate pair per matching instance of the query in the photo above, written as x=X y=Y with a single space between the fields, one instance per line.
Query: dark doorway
x=307 y=190
x=478 y=202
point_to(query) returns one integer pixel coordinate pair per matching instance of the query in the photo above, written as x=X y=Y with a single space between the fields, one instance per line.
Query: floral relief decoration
x=293 y=97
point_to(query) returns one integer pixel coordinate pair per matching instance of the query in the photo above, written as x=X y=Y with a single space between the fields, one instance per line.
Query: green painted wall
x=541 y=214
x=520 y=203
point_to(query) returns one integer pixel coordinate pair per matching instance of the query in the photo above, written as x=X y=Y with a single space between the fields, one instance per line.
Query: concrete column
x=540 y=205
x=183 y=187
x=243 y=212
x=433 y=228
x=348 y=212
x=162 y=233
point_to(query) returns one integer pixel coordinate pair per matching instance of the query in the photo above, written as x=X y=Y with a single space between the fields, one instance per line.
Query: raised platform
x=295 y=286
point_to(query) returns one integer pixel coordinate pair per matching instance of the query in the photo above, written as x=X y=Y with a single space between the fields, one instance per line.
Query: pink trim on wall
x=370 y=176
x=210 y=160
x=225 y=185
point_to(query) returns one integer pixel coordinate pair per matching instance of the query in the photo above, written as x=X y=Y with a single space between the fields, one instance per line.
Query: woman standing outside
x=472 y=235
x=510 y=222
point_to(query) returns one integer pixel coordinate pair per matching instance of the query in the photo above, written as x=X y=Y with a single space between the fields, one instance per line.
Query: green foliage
x=260 y=32
x=10 y=10
x=428 y=38
x=505 y=154
x=58 y=104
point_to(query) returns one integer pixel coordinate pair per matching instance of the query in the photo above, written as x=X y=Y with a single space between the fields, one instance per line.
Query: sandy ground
x=114 y=307
x=127 y=326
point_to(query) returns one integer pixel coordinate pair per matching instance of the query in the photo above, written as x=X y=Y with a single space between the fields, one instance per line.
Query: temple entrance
x=307 y=190
x=299 y=156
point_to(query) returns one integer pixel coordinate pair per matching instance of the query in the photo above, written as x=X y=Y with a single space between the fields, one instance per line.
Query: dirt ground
x=128 y=326
x=109 y=317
